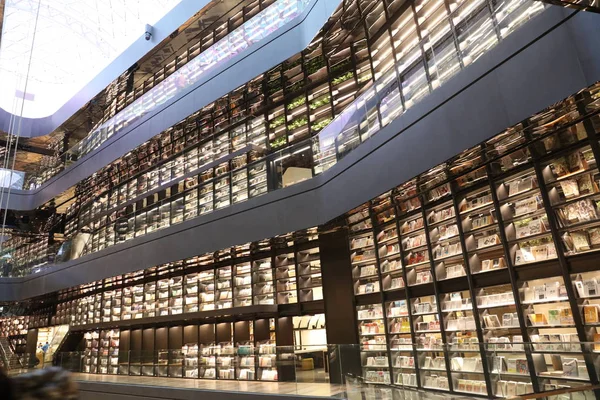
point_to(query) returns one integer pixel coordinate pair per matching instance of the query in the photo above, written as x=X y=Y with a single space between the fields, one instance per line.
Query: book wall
x=467 y=16
x=108 y=352
x=242 y=285
x=481 y=232
x=267 y=355
x=263 y=282
x=296 y=111
x=176 y=299
x=90 y=352
x=572 y=184
x=286 y=280
x=310 y=284
x=191 y=292
x=373 y=344
x=362 y=248
x=191 y=357
x=557 y=357
x=411 y=227
x=245 y=350
x=389 y=255
x=587 y=291
x=208 y=352
x=268 y=276
x=466 y=361
x=111 y=305
x=508 y=363
x=14 y=326
x=310 y=111
x=525 y=220
x=430 y=348
x=223 y=295
x=446 y=246
x=401 y=346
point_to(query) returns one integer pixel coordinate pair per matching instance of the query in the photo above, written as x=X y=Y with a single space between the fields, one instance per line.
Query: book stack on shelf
x=429 y=343
x=246 y=361
x=401 y=345
x=226 y=361
x=572 y=183
x=285 y=274
x=191 y=292
x=206 y=282
x=363 y=258
x=190 y=360
x=242 y=285
x=525 y=220
x=445 y=240
x=481 y=232
x=108 y=352
x=263 y=288
x=373 y=351
x=267 y=361
x=90 y=353
x=223 y=296
x=208 y=360
x=310 y=285
x=14 y=326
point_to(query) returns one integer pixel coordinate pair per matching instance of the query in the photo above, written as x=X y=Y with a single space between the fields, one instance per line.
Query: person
x=45 y=347
x=44 y=384
x=39 y=356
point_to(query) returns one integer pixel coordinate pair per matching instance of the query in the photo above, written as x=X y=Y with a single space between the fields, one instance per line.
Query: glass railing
x=475 y=29
x=505 y=369
x=255 y=30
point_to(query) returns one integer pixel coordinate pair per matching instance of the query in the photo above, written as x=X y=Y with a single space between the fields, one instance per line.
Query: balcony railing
x=448 y=45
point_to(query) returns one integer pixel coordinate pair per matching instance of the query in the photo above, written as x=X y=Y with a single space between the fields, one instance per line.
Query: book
x=580 y=241
x=554 y=317
x=566 y=316
x=570 y=188
x=590 y=313
x=521 y=366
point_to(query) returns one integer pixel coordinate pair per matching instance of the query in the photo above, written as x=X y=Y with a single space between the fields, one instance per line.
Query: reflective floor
x=285 y=388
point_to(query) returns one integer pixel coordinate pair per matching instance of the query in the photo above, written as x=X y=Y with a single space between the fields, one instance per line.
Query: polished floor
x=283 y=388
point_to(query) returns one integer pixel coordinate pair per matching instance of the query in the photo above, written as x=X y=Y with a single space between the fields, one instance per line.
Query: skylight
x=74 y=41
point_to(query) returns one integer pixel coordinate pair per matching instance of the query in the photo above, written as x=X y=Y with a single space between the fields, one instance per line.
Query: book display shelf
x=282 y=270
x=242 y=350
x=215 y=157
x=101 y=352
x=456 y=269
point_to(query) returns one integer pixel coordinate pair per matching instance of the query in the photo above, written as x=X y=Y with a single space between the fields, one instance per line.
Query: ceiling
x=60 y=45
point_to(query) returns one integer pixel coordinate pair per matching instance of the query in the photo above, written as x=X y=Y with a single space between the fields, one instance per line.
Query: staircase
x=10 y=360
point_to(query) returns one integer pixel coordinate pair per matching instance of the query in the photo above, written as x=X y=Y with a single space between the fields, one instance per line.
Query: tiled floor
x=285 y=388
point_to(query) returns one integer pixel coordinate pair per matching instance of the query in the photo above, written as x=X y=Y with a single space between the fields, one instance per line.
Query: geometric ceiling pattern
x=61 y=45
